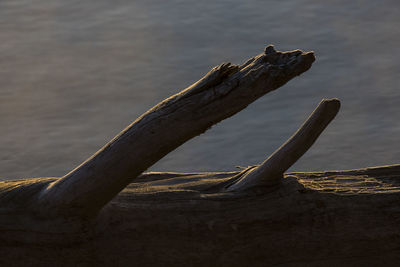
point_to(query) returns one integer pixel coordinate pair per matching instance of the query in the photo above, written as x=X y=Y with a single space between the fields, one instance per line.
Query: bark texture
x=335 y=218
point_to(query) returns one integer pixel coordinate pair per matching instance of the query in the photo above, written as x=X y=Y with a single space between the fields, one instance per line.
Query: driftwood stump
x=108 y=212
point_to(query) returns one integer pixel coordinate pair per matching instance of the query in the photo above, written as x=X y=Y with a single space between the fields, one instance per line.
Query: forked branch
x=224 y=91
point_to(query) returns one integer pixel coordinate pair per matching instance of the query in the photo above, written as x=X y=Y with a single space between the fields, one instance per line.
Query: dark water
x=75 y=73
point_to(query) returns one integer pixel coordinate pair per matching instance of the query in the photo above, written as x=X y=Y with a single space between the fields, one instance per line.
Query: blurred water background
x=73 y=74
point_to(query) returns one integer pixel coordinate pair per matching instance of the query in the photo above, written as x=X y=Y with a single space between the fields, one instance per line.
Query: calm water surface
x=75 y=73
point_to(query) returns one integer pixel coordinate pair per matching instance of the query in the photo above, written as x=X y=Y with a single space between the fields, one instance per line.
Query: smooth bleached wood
x=270 y=172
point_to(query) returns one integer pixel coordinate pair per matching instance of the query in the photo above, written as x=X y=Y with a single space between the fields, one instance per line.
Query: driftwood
x=108 y=212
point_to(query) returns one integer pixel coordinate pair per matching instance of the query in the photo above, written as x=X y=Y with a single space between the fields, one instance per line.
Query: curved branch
x=224 y=91
x=271 y=170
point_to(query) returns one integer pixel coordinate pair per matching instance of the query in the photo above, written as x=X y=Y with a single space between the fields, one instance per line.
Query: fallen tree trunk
x=335 y=218
x=255 y=216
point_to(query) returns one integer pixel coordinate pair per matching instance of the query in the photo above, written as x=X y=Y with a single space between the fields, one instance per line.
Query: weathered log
x=250 y=217
x=335 y=218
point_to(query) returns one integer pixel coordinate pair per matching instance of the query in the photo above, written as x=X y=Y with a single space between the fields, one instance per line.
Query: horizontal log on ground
x=333 y=218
